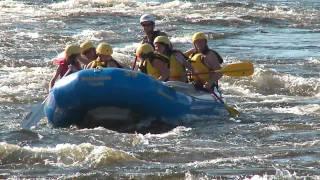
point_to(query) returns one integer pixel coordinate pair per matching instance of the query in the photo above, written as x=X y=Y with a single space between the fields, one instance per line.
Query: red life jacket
x=61 y=62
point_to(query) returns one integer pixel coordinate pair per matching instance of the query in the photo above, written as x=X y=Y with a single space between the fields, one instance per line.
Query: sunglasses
x=146 y=24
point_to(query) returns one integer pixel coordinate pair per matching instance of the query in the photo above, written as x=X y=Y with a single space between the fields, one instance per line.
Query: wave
x=223 y=13
x=83 y=155
x=299 y=110
x=269 y=82
x=21 y=84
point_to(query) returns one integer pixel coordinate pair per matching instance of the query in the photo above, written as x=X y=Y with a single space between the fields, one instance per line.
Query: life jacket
x=214 y=52
x=62 y=63
x=99 y=63
x=199 y=67
x=177 y=70
x=148 y=68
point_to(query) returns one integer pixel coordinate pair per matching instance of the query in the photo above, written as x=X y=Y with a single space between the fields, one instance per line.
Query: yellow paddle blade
x=232 y=111
x=237 y=69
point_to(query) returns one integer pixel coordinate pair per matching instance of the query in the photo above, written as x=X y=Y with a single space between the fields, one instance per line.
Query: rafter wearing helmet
x=147 y=21
x=178 y=62
x=152 y=63
x=88 y=52
x=105 y=59
x=67 y=64
x=204 y=61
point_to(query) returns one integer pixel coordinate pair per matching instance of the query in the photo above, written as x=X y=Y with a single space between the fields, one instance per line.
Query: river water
x=276 y=136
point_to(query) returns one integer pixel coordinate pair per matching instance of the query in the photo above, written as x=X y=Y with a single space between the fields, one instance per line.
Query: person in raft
x=178 y=61
x=68 y=64
x=147 y=21
x=152 y=63
x=88 y=51
x=204 y=62
x=105 y=59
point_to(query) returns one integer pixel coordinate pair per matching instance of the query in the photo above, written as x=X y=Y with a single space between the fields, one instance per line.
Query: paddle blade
x=232 y=111
x=33 y=117
x=237 y=69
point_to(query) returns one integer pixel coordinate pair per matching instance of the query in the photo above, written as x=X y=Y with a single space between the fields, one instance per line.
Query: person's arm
x=83 y=60
x=54 y=78
x=182 y=60
x=142 y=66
x=211 y=60
x=163 y=68
x=190 y=51
x=91 y=65
x=135 y=64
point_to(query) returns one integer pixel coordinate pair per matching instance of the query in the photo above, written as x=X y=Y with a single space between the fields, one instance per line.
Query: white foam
x=127 y=48
x=33 y=35
x=315 y=61
x=84 y=154
x=35 y=82
x=173 y=133
x=307 y=144
x=206 y=163
x=271 y=82
x=184 y=39
x=272 y=128
x=93 y=35
x=188 y=11
x=299 y=110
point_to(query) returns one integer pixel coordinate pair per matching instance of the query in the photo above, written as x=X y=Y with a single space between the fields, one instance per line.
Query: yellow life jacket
x=98 y=63
x=177 y=70
x=149 y=69
x=201 y=70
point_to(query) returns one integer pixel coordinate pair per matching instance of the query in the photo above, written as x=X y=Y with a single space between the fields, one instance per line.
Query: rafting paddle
x=36 y=113
x=34 y=116
x=234 y=70
x=134 y=63
x=237 y=69
x=232 y=111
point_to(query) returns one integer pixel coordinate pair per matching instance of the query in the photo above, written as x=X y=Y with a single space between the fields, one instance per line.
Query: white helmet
x=146 y=18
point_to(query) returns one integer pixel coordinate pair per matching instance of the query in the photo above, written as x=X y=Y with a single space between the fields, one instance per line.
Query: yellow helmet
x=86 y=45
x=162 y=39
x=104 y=49
x=198 y=35
x=144 y=49
x=71 y=50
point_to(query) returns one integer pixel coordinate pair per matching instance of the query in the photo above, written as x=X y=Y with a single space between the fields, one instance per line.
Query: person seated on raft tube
x=105 y=59
x=88 y=52
x=204 y=61
x=68 y=64
x=147 y=21
x=178 y=62
x=152 y=63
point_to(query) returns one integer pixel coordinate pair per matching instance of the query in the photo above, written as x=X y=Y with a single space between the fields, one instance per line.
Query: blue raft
x=121 y=100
